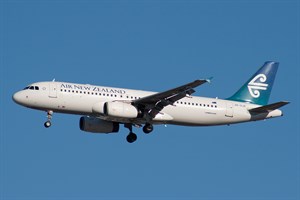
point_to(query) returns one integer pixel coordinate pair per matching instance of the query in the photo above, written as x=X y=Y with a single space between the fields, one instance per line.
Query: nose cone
x=18 y=98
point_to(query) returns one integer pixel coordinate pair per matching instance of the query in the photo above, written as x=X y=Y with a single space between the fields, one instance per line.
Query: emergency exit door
x=229 y=110
x=52 y=90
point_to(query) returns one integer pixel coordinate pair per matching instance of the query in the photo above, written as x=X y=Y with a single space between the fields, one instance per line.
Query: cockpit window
x=32 y=88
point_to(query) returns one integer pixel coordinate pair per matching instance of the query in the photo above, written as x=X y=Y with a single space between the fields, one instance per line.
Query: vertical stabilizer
x=258 y=88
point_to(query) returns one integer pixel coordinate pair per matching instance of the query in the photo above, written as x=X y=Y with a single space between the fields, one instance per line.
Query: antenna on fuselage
x=53 y=80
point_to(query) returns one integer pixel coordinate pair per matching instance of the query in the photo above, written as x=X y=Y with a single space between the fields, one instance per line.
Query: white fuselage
x=81 y=99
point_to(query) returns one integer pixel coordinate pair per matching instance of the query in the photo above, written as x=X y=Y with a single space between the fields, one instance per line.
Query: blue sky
x=149 y=45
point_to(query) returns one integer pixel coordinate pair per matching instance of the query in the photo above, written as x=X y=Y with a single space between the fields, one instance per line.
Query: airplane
x=104 y=109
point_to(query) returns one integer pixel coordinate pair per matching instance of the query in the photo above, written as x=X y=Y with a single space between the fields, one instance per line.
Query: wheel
x=148 y=128
x=47 y=124
x=131 y=137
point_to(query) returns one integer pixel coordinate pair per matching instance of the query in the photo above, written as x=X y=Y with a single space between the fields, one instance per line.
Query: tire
x=148 y=128
x=131 y=137
x=47 y=124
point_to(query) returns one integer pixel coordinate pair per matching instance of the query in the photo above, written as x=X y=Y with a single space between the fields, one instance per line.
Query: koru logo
x=257 y=84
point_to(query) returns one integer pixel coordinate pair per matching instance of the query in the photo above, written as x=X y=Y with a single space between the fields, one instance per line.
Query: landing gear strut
x=148 y=128
x=47 y=124
x=131 y=137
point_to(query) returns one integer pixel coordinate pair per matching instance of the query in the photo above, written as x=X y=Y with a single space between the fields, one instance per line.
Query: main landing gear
x=47 y=124
x=131 y=137
x=148 y=128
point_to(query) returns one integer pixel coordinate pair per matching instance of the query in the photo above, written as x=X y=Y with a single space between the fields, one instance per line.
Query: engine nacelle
x=120 y=109
x=95 y=125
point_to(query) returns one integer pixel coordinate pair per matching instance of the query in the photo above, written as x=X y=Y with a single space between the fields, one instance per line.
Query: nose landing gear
x=47 y=124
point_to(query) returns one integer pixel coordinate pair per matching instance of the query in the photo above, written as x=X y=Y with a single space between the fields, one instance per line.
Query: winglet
x=209 y=79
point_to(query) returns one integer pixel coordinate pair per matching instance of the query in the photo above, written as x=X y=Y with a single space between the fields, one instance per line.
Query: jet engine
x=95 y=125
x=120 y=109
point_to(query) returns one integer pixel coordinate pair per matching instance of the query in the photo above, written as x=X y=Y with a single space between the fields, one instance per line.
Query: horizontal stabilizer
x=268 y=108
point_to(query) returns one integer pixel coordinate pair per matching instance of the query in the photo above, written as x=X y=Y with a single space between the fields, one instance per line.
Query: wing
x=153 y=104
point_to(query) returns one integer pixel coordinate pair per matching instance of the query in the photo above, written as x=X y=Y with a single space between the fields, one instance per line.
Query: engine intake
x=96 y=125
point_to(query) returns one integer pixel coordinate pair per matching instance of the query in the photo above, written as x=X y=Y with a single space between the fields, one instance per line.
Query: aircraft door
x=52 y=90
x=229 y=109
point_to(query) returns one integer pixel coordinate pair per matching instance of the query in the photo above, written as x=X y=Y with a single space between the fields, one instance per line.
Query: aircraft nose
x=17 y=97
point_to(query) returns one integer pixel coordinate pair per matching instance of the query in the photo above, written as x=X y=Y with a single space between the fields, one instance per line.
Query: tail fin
x=258 y=88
